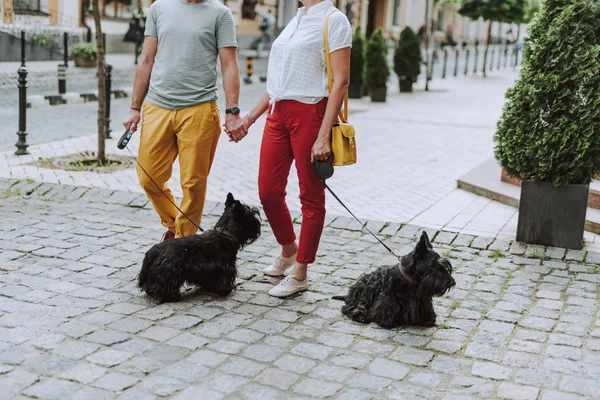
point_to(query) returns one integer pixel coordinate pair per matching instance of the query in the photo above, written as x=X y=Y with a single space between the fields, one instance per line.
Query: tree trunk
x=100 y=71
x=515 y=46
x=487 y=47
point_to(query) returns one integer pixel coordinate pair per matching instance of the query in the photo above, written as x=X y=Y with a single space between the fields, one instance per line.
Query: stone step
x=487 y=180
x=593 y=199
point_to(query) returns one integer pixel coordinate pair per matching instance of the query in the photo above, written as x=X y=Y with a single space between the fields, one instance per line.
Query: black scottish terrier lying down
x=401 y=295
x=207 y=260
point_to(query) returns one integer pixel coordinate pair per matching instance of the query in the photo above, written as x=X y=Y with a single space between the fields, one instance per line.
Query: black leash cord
x=164 y=194
x=359 y=221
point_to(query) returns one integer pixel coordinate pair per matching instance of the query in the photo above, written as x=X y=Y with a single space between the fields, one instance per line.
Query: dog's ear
x=423 y=246
x=230 y=200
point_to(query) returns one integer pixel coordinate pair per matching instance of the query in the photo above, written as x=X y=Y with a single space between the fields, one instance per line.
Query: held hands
x=134 y=119
x=236 y=127
x=321 y=150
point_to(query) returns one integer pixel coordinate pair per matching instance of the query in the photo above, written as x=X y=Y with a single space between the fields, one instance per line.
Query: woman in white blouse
x=301 y=113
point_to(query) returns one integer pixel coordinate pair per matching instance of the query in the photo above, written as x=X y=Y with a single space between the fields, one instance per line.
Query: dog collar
x=225 y=232
x=406 y=275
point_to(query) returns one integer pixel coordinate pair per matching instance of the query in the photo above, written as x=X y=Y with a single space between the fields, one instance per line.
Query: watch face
x=235 y=110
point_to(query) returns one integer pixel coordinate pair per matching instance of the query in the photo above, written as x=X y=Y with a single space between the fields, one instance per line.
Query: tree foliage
x=550 y=127
x=508 y=11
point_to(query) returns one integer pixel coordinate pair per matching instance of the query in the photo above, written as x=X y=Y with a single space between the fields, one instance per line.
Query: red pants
x=290 y=133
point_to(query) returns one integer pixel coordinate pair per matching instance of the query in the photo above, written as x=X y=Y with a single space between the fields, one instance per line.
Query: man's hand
x=132 y=123
x=236 y=127
x=321 y=150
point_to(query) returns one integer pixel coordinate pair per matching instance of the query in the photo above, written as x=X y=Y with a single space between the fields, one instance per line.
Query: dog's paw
x=359 y=314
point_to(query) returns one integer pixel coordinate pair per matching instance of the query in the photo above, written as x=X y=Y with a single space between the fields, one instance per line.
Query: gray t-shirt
x=189 y=38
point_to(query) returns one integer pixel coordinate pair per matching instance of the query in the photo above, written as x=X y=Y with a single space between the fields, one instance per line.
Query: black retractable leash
x=325 y=171
x=122 y=144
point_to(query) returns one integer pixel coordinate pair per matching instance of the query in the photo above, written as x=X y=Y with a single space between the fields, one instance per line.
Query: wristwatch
x=232 y=110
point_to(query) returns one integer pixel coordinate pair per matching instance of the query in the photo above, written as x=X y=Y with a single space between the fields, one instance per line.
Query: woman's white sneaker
x=288 y=286
x=280 y=265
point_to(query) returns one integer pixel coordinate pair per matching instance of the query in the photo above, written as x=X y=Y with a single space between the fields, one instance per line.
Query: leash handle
x=359 y=221
x=156 y=184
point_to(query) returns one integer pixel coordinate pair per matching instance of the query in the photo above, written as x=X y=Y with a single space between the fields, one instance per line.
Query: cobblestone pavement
x=522 y=323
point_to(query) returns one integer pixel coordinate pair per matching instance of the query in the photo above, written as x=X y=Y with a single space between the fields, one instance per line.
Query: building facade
x=391 y=16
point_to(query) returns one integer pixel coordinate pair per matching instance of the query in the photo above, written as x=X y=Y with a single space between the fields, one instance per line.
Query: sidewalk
x=522 y=323
x=412 y=150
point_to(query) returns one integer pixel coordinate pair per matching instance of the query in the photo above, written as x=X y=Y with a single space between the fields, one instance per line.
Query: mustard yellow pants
x=192 y=134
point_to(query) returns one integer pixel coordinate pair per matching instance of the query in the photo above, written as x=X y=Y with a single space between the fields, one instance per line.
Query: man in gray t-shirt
x=176 y=88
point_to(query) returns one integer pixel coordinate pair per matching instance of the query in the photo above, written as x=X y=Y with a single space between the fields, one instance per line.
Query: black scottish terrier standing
x=401 y=295
x=207 y=260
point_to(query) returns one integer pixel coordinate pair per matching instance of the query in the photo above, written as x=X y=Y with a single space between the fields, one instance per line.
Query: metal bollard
x=22 y=133
x=108 y=89
x=138 y=44
x=467 y=53
x=499 y=58
x=476 y=57
x=457 y=53
x=66 y=49
x=249 y=70
x=23 y=48
x=445 y=63
x=505 y=56
x=493 y=52
x=62 y=79
x=104 y=42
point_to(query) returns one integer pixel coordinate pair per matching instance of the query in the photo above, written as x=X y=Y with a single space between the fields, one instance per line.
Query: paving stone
x=582 y=386
x=160 y=333
x=464 y=385
x=335 y=339
x=491 y=370
x=75 y=350
x=224 y=383
x=542 y=324
x=369 y=382
x=109 y=358
x=482 y=351
x=412 y=356
x=296 y=364
x=280 y=379
x=52 y=389
x=564 y=352
x=317 y=388
x=516 y=392
x=115 y=381
x=537 y=377
x=343 y=358
x=388 y=369
x=207 y=358
x=263 y=353
x=314 y=351
x=555 y=395
x=83 y=372
x=227 y=346
x=446 y=346
x=107 y=337
x=160 y=385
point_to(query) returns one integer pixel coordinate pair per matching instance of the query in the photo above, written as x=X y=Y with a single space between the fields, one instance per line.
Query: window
x=396 y=21
x=26 y=6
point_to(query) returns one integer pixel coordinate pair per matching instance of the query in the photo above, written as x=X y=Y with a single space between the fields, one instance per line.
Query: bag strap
x=343 y=115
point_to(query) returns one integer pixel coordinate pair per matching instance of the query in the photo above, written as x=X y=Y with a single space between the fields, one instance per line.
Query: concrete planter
x=552 y=216
x=406 y=85
x=378 y=94
x=355 y=91
x=84 y=63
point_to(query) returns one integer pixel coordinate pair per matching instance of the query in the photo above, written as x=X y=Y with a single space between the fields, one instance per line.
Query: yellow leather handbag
x=343 y=141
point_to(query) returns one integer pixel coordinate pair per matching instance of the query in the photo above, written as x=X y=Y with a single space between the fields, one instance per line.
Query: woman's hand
x=321 y=150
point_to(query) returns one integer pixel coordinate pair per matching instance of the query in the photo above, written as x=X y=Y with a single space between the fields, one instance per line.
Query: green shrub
x=87 y=51
x=407 y=56
x=357 y=59
x=378 y=70
x=550 y=127
x=44 y=40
